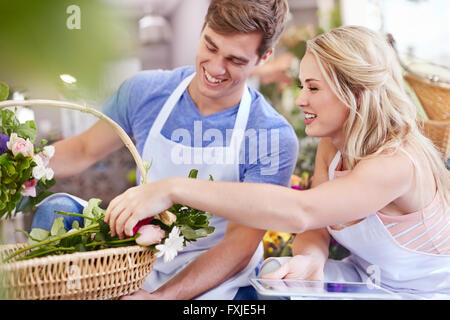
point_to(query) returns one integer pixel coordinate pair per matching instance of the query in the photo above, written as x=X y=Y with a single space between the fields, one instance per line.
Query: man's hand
x=142 y=295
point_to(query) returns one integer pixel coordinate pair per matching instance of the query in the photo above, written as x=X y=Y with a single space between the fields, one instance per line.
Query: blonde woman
x=380 y=187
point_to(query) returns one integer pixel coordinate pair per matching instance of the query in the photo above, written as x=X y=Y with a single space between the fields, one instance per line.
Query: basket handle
x=84 y=108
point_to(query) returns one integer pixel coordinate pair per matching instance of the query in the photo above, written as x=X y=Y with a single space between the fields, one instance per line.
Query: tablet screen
x=351 y=290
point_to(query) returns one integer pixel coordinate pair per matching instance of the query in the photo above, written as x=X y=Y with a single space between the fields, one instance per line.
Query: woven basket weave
x=435 y=100
x=101 y=274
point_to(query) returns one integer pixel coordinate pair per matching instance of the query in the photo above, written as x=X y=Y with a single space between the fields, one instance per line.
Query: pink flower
x=150 y=234
x=141 y=223
x=30 y=188
x=19 y=145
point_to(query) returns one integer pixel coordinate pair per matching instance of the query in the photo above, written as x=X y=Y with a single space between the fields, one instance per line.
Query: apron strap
x=170 y=104
x=333 y=165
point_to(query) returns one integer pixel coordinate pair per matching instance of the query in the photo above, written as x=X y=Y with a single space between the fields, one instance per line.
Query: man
x=202 y=118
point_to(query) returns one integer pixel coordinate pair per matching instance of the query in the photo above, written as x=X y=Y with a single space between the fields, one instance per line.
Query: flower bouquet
x=24 y=173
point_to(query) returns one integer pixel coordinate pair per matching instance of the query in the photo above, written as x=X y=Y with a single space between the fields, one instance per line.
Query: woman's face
x=324 y=113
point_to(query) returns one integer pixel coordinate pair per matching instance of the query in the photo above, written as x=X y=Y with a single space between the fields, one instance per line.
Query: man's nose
x=216 y=66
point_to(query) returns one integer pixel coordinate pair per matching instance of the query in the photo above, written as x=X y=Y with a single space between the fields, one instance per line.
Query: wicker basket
x=434 y=97
x=439 y=133
x=435 y=100
x=101 y=274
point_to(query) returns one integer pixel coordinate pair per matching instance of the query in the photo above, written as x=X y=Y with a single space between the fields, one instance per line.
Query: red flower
x=141 y=223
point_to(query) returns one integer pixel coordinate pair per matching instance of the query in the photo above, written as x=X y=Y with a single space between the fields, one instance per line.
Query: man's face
x=224 y=62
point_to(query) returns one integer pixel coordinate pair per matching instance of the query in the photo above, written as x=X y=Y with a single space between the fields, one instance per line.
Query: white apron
x=157 y=152
x=410 y=273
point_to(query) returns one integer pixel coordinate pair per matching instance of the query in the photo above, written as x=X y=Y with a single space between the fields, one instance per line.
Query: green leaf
x=4 y=91
x=10 y=169
x=100 y=236
x=191 y=234
x=4 y=159
x=80 y=247
x=193 y=174
x=58 y=227
x=90 y=211
x=39 y=235
x=27 y=130
x=75 y=224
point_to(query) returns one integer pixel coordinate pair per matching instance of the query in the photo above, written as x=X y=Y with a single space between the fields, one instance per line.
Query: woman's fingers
x=129 y=224
x=111 y=206
x=114 y=213
x=120 y=222
x=279 y=273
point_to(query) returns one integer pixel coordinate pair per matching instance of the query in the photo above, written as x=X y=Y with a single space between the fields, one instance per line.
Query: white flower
x=49 y=151
x=38 y=160
x=171 y=246
x=39 y=172
x=11 y=141
x=49 y=173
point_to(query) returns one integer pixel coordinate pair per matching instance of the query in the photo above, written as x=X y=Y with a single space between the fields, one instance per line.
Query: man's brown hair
x=247 y=16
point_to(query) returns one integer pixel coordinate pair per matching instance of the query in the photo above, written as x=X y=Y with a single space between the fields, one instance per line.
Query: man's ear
x=265 y=57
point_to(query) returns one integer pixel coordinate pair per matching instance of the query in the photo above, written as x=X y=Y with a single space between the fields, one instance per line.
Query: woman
x=380 y=187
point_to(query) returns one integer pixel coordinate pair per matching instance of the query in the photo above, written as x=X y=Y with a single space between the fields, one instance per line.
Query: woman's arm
x=316 y=242
x=371 y=185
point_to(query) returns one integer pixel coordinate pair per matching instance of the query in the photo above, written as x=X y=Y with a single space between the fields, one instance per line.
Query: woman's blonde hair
x=362 y=70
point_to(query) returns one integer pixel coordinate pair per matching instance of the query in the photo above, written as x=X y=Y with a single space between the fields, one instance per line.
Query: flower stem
x=31 y=255
x=112 y=242
x=51 y=240
x=75 y=215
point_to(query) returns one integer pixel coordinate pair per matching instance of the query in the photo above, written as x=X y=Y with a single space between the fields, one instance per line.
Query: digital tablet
x=320 y=289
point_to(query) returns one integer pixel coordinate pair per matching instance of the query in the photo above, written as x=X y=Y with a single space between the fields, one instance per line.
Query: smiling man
x=222 y=127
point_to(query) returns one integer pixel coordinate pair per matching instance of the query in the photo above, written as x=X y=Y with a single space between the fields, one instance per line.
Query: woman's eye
x=312 y=89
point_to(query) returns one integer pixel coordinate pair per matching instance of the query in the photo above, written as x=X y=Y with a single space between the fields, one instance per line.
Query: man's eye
x=237 y=62
x=312 y=89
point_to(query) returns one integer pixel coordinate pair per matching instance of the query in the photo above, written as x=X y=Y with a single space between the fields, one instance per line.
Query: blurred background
x=82 y=50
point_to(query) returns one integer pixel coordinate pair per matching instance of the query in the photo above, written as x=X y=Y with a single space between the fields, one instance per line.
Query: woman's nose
x=301 y=100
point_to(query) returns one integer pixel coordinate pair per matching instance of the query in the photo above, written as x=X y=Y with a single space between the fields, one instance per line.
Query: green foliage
x=94 y=236
x=4 y=91
x=38 y=45
x=193 y=223
x=16 y=170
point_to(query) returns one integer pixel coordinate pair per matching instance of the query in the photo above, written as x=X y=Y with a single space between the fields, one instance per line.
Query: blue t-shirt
x=139 y=100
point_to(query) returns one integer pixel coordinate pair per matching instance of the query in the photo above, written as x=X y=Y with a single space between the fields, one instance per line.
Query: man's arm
x=214 y=266
x=75 y=154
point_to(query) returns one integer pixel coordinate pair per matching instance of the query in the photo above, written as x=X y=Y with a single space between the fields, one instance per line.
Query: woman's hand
x=136 y=204
x=299 y=267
